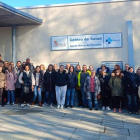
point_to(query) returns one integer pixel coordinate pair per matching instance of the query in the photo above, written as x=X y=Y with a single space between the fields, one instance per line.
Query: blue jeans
x=12 y=94
x=70 y=96
x=92 y=98
x=46 y=98
x=132 y=103
x=36 y=92
x=83 y=96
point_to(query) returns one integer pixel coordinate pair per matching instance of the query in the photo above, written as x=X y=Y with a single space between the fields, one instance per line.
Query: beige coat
x=2 y=80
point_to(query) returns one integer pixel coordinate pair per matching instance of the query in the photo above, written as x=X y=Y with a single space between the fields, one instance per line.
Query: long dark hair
x=49 y=66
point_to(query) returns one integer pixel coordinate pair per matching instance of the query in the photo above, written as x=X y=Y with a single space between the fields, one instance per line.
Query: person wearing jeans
x=11 y=79
x=92 y=89
x=38 y=85
x=71 y=87
x=131 y=84
x=82 y=75
x=49 y=86
x=61 y=81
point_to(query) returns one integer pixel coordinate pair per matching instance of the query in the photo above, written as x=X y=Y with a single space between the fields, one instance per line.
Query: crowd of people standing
x=23 y=84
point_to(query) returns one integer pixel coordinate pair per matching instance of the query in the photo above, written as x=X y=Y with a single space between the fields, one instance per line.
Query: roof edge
x=17 y=11
x=75 y=4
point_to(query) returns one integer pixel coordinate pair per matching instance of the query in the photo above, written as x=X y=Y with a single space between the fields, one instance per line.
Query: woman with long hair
x=11 y=79
x=116 y=85
x=27 y=81
x=38 y=75
x=49 y=85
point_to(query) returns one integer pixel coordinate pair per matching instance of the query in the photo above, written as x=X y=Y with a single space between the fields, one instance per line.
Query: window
x=71 y=63
x=111 y=64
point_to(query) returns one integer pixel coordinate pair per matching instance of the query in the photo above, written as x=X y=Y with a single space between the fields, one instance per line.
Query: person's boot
x=32 y=103
x=17 y=100
x=40 y=104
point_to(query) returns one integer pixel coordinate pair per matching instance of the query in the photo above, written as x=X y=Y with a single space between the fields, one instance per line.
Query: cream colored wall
x=34 y=41
x=5 y=43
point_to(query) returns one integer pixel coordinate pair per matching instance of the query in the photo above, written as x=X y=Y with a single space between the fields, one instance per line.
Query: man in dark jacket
x=131 y=85
x=81 y=80
x=71 y=87
x=49 y=85
x=61 y=81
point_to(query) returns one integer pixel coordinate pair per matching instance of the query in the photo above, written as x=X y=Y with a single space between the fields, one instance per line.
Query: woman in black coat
x=49 y=85
x=105 y=90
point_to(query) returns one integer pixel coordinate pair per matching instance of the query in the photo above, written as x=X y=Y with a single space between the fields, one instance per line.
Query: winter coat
x=73 y=80
x=61 y=79
x=131 y=85
x=27 y=80
x=41 y=79
x=49 y=82
x=82 y=77
x=105 y=89
x=116 y=85
x=77 y=72
x=17 y=71
x=2 y=80
x=11 y=79
x=87 y=87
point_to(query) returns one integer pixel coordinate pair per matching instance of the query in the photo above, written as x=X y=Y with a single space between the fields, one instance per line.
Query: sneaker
x=8 y=103
x=130 y=112
x=28 y=105
x=103 y=108
x=22 y=105
x=90 y=108
x=51 y=105
x=13 y=104
x=96 y=109
x=62 y=107
x=108 y=108
x=58 y=106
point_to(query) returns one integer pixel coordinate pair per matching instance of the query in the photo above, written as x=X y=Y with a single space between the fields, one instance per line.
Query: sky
x=24 y=3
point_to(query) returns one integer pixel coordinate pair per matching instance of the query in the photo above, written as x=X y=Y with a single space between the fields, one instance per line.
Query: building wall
x=6 y=43
x=35 y=41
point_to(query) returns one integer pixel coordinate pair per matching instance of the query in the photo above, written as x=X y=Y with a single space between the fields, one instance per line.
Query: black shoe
x=71 y=106
x=96 y=108
x=83 y=106
x=67 y=106
x=90 y=108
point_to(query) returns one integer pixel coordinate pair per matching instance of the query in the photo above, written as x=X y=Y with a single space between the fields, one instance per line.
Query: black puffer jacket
x=49 y=82
x=61 y=79
x=105 y=89
x=131 y=84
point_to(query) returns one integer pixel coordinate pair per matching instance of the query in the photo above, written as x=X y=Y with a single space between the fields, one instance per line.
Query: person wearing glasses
x=116 y=86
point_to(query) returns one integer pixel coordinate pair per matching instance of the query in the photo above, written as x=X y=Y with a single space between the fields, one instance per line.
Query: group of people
x=23 y=83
